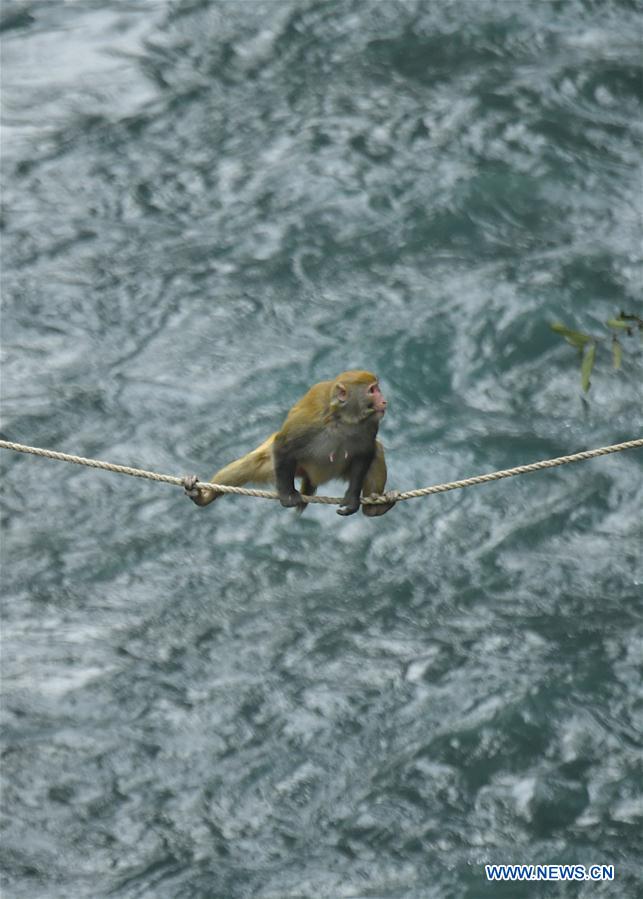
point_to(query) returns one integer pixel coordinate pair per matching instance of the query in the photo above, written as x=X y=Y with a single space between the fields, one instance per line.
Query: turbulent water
x=208 y=206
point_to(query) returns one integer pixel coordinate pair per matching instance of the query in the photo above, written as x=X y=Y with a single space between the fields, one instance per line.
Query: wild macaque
x=330 y=433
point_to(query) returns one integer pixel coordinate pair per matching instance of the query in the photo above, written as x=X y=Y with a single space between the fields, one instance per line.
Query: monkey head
x=357 y=396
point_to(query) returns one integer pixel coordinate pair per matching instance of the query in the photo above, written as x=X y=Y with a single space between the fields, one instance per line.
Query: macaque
x=330 y=433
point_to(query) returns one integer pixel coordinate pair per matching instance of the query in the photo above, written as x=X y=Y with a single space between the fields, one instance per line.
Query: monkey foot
x=189 y=481
x=348 y=508
x=382 y=508
x=198 y=495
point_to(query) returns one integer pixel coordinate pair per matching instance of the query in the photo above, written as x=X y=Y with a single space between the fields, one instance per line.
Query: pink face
x=377 y=398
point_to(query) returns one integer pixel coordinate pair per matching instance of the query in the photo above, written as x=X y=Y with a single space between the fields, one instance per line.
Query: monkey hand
x=291 y=500
x=381 y=508
x=349 y=506
x=201 y=496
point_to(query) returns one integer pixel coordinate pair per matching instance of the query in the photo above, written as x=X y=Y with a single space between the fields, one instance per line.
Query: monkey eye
x=372 y=388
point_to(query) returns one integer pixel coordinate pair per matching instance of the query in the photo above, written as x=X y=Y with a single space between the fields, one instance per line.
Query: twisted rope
x=328 y=500
x=523 y=469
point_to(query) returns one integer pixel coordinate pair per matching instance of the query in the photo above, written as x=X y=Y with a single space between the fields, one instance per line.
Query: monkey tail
x=256 y=467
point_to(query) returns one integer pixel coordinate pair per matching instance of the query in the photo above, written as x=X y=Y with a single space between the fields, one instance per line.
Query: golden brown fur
x=329 y=433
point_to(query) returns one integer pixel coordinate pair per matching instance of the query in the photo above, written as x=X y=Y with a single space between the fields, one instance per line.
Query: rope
x=523 y=469
x=328 y=500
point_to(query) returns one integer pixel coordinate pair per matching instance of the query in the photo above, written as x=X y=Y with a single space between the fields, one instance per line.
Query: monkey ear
x=340 y=393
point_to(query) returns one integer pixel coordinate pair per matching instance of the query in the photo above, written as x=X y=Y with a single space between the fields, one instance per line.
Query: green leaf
x=586 y=366
x=617 y=323
x=617 y=354
x=576 y=338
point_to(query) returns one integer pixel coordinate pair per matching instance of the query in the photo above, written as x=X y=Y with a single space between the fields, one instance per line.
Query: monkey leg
x=255 y=467
x=308 y=489
x=375 y=482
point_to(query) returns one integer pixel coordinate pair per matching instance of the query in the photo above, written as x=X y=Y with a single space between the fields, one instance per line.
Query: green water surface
x=208 y=206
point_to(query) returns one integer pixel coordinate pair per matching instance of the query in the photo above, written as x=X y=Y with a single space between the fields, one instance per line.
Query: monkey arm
x=285 y=466
x=356 y=476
